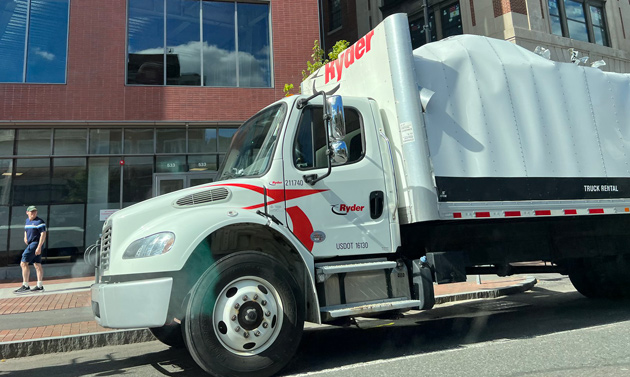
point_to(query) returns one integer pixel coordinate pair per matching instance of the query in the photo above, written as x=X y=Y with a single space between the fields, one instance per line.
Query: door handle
x=376 y=204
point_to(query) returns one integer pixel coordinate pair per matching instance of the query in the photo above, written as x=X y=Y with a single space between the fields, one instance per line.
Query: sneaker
x=22 y=289
x=37 y=289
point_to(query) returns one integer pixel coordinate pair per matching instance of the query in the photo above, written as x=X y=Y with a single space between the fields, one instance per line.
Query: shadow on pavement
x=531 y=314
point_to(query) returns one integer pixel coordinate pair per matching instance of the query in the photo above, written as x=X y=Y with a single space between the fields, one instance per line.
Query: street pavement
x=60 y=319
x=548 y=331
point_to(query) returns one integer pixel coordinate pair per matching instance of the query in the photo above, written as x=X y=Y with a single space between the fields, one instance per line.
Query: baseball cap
x=31 y=208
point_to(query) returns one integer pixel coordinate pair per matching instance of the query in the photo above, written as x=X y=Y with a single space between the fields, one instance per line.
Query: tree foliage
x=318 y=61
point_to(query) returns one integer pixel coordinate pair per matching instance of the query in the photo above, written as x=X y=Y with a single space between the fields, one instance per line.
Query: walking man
x=34 y=238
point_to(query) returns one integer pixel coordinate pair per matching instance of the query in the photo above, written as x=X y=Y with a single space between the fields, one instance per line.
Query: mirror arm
x=312 y=179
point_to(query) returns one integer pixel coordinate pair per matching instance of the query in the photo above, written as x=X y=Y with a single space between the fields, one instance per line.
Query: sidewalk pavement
x=60 y=319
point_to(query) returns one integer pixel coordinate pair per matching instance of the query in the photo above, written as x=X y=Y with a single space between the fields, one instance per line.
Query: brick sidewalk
x=38 y=302
x=51 y=331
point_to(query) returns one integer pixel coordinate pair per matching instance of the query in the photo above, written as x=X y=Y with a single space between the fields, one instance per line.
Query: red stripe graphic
x=302 y=227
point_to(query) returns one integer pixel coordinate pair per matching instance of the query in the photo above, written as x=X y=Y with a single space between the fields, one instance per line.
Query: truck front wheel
x=244 y=316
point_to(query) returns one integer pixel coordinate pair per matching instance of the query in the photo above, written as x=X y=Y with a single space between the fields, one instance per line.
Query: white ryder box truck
x=393 y=171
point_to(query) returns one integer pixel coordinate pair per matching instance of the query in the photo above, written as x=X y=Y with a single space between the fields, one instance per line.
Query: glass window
x=226 y=42
x=105 y=141
x=70 y=141
x=6 y=173
x=69 y=181
x=416 y=28
x=103 y=193
x=137 y=179
x=170 y=164
x=138 y=140
x=254 y=61
x=225 y=138
x=583 y=20
x=6 y=141
x=451 y=21
x=145 y=60
x=31 y=182
x=45 y=46
x=219 y=43
x=202 y=163
x=334 y=9
x=171 y=140
x=183 y=46
x=309 y=150
x=65 y=233
x=12 y=39
x=202 y=140
x=47 y=41
x=33 y=142
x=4 y=235
x=16 y=233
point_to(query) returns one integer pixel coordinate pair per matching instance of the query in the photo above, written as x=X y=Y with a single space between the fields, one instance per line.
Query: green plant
x=318 y=61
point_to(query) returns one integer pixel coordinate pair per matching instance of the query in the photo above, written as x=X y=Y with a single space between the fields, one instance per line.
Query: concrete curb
x=488 y=293
x=24 y=348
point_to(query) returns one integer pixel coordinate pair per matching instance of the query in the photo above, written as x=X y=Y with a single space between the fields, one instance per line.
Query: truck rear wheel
x=601 y=277
x=244 y=316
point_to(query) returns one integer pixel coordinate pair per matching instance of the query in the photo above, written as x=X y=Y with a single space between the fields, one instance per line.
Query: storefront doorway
x=169 y=182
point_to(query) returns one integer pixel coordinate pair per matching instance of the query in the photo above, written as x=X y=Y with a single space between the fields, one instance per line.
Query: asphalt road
x=549 y=331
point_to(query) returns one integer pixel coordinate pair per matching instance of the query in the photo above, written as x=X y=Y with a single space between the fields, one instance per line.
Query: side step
x=325 y=270
x=356 y=309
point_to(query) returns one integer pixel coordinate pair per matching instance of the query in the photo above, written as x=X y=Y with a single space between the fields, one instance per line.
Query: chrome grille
x=202 y=197
x=106 y=245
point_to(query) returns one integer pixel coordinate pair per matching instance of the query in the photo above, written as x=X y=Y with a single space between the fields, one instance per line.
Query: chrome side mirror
x=334 y=108
x=339 y=151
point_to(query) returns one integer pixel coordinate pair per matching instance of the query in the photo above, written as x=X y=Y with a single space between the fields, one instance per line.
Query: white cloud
x=44 y=54
x=219 y=65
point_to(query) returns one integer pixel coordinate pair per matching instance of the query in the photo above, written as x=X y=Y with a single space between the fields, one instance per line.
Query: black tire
x=601 y=277
x=171 y=335
x=245 y=316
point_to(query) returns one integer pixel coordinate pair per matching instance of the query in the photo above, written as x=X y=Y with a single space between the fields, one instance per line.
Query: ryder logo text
x=348 y=57
x=343 y=209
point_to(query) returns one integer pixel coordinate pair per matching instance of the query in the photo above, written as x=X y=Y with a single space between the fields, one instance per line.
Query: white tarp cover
x=502 y=111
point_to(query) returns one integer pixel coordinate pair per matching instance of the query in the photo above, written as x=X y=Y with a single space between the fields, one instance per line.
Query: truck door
x=345 y=213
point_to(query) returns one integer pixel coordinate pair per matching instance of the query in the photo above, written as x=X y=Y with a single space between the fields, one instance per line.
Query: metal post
x=426 y=27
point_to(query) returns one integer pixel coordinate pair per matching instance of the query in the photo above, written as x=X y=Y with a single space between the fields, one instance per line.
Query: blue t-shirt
x=34 y=229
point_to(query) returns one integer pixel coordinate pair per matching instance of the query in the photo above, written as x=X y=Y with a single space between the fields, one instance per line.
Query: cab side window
x=309 y=148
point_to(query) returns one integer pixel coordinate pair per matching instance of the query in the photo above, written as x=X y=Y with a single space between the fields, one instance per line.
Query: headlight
x=156 y=244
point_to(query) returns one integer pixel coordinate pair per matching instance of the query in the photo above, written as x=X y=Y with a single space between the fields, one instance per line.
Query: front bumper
x=142 y=303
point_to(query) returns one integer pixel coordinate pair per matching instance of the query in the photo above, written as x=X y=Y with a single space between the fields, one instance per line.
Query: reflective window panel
x=106 y=141
x=183 y=46
x=202 y=140
x=225 y=138
x=137 y=180
x=145 y=60
x=47 y=41
x=170 y=164
x=65 y=233
x=219 y=43
x=31 y=182
x=6 y=172
x=254 y=47
x=33 y=142
x=202 y=163
x=70 y=141
x=171 y=140
x=12 y=39
x=103 y=194
x=138 y=141
x=4 y=235
x=69 y=181
x=6 y=142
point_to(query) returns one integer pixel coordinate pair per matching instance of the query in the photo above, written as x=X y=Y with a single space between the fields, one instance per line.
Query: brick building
x=107 y=103
x=596 y=28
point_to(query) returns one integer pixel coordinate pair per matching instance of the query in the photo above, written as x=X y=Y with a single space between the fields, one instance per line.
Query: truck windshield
x=253 y=144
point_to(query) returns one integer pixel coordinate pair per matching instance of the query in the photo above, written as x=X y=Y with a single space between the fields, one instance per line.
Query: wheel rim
x=247 y=316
